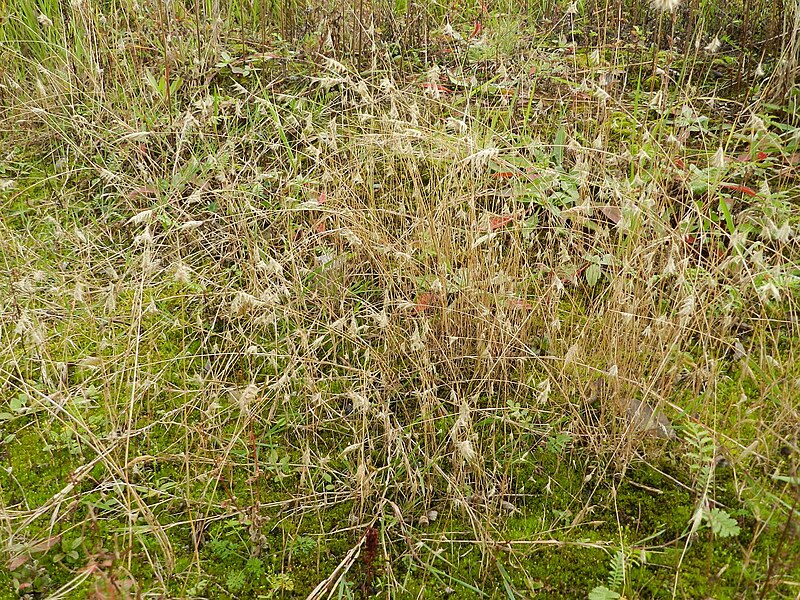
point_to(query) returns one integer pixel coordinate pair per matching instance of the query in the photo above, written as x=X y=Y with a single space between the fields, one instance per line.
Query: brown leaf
x=17 y=562
x=740 y=188
x=645 y=419
x=144 y=190
x=45 y=545
x=612 y=213
x=501 y=221
x=519 y=304
x=427 y=300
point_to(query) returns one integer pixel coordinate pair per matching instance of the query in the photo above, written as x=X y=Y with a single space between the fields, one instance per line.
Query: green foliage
x=620 y=564
x=721 y=523
x=557 y=443
x=304 y=545
x=617 y=567
x=700 y=454
x=603 y=593
x=236 y=581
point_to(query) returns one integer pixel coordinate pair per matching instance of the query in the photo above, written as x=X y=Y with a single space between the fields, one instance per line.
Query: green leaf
x=722 y=524
x=506 y=579
x=254 y=566
x=725 y=211
x=593 y=273
x=783 y=478
x=18 y=403
x=236 y=581
x=558 y=145
x=601 y=592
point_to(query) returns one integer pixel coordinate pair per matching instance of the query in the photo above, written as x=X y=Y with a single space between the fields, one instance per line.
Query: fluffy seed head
x=665 y=5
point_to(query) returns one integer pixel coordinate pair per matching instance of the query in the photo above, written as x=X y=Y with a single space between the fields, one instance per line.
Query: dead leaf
x=501 y=221
x=16 y=562
x=188 y=225
x=612 y=213
x=739 y=188
x=142 y=191
x=46 y=544
x=427 y=300
x=91 y=362
x=518 y=304
x=645 y=419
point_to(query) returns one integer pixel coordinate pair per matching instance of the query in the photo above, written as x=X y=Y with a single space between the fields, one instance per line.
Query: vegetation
x=408 y=300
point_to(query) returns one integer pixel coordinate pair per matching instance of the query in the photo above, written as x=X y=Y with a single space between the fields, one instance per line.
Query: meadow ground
x=340 y=302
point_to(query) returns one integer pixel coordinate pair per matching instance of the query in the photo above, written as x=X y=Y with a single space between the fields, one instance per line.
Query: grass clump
x=497 y=314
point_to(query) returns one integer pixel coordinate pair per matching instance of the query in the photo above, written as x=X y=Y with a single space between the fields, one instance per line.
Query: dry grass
x=246 y=290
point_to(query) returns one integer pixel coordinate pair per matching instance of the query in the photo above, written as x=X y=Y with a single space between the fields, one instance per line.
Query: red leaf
x=740 y=188
x=435 y=86
x=501 y=221
x=679 y=163
x=319 y=226
x=427 y=300
x=45 y=544
x=144 y=190
x=519 y=304
x=322 y=198
x=478 y=29
x=746 y=157
x=503 y=175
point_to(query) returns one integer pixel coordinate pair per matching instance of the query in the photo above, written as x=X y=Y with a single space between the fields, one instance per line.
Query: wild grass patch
x=511 y=313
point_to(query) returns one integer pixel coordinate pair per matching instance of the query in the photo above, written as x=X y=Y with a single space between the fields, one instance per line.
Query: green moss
x=40 y=464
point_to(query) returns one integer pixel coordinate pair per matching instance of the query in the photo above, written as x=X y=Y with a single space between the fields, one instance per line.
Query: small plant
x=619 y=565
x=594 y=270
x=721 y=523
x=517 y=412
x=279 y=583
x=303 y=545
x=557 y=442
x=236 y=581
x=198 y=588
x=700 y=453
x=70 y=551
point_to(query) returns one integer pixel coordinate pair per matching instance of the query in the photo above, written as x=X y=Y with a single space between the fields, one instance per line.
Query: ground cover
x=499 y=306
